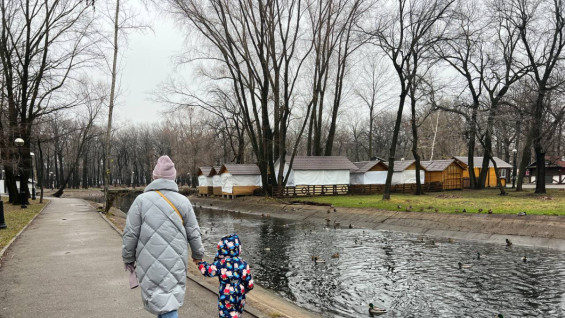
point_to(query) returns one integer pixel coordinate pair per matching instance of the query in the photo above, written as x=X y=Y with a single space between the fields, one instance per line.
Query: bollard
x=2 y=222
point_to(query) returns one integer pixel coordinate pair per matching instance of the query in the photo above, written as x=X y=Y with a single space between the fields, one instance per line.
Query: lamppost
x=51 y=180
x=19 y=143
x=132 y=179
x=514 y=153
x=189 y=181
x=32 y=179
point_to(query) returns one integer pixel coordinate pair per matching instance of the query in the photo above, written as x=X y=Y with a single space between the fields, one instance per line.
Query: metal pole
x=32 y=181
x=22 y=189
x=2 y=221
x=514 y=169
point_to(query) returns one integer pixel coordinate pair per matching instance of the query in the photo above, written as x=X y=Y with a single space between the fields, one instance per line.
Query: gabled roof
x=478 y=162
x=438 y=165
x=321 y=163
x=364 y=166
x=401 y=165
x=241 y=169
x=205 y=171
x=551 y=162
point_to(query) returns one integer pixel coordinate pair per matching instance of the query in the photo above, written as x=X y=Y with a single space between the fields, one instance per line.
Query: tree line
x=367 y=79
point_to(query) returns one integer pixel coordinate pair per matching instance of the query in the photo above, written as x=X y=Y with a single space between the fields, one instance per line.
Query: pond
x=409 y=275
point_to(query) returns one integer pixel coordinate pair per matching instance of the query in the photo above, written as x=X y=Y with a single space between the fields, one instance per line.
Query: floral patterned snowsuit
x=234 y=275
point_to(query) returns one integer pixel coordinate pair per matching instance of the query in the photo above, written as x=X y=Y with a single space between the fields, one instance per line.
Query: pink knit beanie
x=165 y=169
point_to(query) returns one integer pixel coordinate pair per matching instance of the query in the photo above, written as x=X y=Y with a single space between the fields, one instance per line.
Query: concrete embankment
x=529 y=230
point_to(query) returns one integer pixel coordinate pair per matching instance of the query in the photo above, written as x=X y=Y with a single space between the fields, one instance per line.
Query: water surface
x=409 y=275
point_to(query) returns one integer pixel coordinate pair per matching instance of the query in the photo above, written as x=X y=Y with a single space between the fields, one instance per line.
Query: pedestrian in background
x=159 y=225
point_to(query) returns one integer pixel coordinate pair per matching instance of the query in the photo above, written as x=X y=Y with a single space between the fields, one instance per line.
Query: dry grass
x=472 y=201
x=17 y=218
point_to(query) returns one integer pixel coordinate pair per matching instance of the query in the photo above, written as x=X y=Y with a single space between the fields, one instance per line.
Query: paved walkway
x=68 y=264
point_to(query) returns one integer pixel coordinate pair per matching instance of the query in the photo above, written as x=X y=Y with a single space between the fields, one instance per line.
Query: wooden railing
x=310 y=190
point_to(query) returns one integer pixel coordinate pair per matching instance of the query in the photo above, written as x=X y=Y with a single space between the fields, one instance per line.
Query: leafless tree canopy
x=271 y=79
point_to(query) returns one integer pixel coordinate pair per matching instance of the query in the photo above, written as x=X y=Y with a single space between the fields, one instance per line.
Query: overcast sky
x=146 y=63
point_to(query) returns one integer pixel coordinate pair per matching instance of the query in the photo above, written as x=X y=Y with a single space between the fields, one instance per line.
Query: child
x=234 y=275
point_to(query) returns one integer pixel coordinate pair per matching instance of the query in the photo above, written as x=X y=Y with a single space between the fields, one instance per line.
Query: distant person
x=234 y=276
x=159 y=225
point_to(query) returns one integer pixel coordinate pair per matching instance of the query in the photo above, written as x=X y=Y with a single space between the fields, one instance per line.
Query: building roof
x=364 y=166
x=401 y=165
x=478 y=162
x=437 y=165
x=205 y=171
x=551 y=162
x=241 y=169
x=321 y=163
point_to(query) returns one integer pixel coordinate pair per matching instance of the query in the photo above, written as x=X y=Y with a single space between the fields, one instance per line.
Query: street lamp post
x=32 y=179
x=19 y=143
x=132 y=179
x=514 y=153
x=51 y=180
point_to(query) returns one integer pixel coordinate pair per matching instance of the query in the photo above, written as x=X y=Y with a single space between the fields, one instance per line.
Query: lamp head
x=31 y=154
x=19 y=142
x=514 y=150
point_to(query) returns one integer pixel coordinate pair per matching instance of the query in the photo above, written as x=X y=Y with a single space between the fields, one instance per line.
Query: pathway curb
x=5 y=249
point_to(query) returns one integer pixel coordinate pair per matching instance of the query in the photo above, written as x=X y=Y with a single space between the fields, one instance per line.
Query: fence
x=310 y=190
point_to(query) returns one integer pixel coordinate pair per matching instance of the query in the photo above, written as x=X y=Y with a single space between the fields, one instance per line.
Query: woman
x=159 y=224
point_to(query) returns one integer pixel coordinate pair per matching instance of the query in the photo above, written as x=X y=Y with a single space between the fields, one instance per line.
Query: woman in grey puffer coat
x=156 y=237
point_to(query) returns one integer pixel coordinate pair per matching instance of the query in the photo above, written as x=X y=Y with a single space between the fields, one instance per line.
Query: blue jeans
x=171 y=314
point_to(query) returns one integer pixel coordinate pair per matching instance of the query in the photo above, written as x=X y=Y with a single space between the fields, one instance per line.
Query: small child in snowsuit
x=234 y=275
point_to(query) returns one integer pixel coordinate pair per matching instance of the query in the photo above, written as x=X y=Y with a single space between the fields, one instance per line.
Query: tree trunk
x=110 y=111
x=392 y=151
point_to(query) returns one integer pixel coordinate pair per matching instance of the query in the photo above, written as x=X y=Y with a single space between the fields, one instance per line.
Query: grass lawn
x=552 y=203
x=16 y=218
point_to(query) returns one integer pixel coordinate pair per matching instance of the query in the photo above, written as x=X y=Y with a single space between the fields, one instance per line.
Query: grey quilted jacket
x=156 y=240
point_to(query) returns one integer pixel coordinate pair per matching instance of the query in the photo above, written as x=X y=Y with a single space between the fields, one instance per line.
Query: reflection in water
x=408 y=275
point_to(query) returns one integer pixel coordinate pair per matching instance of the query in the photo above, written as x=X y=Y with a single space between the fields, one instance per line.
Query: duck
x=450 y=240
x=508 y=243
x=480 y=210
x=499 y=316
x=336 y=224
x=524 y=259
x=523 y=213
x=464 y=210
x=317 y=259
x=489 y=211
x=350 y=226
x=336 y=255
x=399 y=207
x=478 y=255
x=373 y=310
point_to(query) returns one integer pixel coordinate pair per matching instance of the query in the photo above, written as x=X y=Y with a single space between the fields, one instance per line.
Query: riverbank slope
x=530 y=230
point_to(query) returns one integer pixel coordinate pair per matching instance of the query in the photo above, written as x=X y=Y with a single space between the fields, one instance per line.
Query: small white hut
x=312 y=175
x=369 y=172
x=405 y=172
x=240 y=179
x=217 y=181
x=204 y=181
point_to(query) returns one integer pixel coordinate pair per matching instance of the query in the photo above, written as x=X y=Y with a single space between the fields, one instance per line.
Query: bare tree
x=42 y=44
x=541 y=25
x=405 y=34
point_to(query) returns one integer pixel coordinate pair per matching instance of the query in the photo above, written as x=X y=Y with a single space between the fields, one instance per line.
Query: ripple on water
x=409 y=275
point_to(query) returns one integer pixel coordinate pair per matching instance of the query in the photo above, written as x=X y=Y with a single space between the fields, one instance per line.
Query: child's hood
x=229 y=246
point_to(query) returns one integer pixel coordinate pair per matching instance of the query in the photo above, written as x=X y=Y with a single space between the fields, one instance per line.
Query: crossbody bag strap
x=172 y=205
